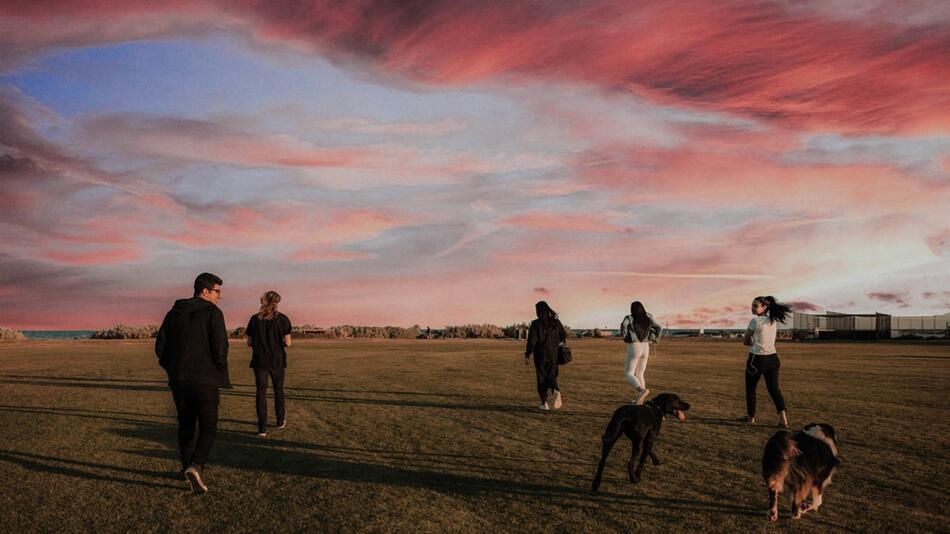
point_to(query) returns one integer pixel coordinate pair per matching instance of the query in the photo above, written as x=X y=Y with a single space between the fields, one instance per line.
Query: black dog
x=642 y=425
x=804 y=461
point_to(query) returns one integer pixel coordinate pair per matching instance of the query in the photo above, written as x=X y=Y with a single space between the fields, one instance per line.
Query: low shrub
x=9 y=334
x=122 y=331
x=474 y=331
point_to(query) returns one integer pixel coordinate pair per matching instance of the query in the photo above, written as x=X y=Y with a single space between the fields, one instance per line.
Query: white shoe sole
x=557 y=401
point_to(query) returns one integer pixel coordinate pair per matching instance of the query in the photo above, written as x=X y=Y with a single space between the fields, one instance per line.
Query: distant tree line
x=466 y=331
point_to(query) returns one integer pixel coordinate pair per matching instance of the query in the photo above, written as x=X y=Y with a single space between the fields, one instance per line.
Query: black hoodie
x=192 y=345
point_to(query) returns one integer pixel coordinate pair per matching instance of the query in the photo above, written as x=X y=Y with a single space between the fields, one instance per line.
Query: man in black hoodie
x=192 y=347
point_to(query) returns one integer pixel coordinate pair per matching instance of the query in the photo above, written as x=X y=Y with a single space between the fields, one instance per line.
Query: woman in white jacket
x=639 y=330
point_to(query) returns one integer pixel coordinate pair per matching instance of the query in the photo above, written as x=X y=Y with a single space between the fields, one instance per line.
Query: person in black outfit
x=192 y=347
x=544 y=335
x=268 y=333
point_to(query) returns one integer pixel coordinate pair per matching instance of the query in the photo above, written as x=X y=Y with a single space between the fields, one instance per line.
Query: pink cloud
x=219 y=142
x=557 y=221
x=739 y=170
x=899 y=298
x=95 y=257
x=939 y=243
x=320 y=254
x=808 y=67
x=309 y=229
x=756 y=59
x=804 y=306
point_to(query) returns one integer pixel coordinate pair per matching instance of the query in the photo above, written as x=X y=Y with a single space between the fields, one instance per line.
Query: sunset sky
x=453 y=162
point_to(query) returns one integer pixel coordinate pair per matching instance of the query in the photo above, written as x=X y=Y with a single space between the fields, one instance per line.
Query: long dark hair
x=777 y=311
x=547 y=316
x=641 y=321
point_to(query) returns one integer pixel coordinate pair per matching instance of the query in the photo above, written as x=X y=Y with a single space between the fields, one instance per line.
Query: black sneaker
x=193 y=475
x=282 y=423
x=262 y=433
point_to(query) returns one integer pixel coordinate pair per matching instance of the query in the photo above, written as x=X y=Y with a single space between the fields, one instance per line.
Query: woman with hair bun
x=268 y=333
x=763 y=359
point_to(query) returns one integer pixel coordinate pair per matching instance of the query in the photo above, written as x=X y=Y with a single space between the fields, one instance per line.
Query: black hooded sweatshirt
x=543 y=342
x=192 y=345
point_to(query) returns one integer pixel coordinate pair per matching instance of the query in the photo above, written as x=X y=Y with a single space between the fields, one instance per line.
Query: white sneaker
x=193 y=475
x=544 y=406
x=557 y=399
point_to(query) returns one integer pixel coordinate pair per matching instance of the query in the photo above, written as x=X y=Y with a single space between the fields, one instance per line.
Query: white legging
x=638 y=353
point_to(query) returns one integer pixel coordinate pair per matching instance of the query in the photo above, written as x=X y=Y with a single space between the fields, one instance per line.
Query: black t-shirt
x=267 y=341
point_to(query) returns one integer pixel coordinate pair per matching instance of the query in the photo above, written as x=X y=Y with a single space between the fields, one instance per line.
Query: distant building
x=833 y=325
x=921 y=326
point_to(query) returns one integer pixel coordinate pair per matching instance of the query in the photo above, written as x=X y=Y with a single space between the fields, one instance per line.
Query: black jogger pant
x=196 y=406
x=759 y=365
x=260 y=380
x=547 y=377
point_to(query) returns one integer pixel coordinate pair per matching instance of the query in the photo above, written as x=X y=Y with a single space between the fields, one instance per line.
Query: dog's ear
x=665 y=401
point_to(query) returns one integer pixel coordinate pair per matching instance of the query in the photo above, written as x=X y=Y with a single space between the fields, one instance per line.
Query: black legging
x=762 y=365
x=546 y=372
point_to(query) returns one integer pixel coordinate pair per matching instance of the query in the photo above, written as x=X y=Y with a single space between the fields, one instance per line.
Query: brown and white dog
x=803 y=461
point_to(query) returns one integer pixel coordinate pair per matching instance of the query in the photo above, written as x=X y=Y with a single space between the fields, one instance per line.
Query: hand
x=526 y=359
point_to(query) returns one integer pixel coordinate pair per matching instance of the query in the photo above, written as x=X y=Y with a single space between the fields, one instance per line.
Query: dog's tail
x=777 y=459
x=613 y=430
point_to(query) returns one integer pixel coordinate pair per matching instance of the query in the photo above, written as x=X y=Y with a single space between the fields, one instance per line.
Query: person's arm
x=561 y=333
x=532 y=340
x=249 y=329
x=288 y=329
x=747 y=339
x=218 y=338
x=624 y=327
x=656 y=329
x=160 y=340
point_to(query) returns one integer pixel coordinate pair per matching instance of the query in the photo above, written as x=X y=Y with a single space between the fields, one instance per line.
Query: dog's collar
x=657 y=408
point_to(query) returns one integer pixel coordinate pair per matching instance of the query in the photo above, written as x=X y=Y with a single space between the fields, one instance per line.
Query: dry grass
x=443 y=435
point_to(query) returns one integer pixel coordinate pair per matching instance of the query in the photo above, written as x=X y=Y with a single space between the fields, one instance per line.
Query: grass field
x=446 y=436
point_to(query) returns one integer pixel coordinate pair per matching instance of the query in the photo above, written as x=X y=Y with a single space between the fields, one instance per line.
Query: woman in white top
x=639 y=330
x=763 y=360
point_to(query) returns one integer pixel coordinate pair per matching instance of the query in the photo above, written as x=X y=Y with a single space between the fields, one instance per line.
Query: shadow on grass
x=460 y=474
x=104 y=415
x=728 y=421
x=402 y=403
x=84 y=379
x=88 y=383
x=48 y=464
x=432 y=471
x=372 y=392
